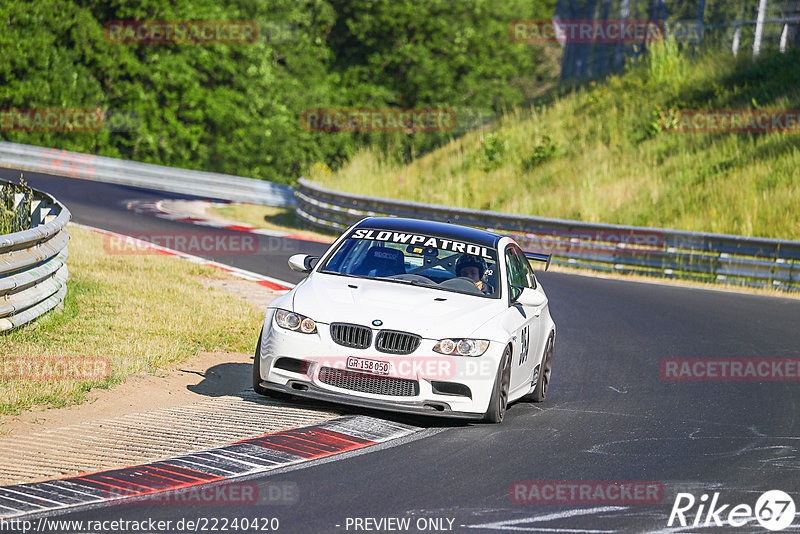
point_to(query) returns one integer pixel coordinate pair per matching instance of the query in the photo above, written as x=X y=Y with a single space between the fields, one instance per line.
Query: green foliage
x=543 y=150
x=6 y=219
x=666 y=66
x=236 y=108
x=491 y=152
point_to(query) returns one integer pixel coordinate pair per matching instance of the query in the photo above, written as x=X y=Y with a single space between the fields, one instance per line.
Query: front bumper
x=428 y=369
x=418 y=408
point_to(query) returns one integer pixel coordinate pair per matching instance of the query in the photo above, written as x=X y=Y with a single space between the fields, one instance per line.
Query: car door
x=524 y=319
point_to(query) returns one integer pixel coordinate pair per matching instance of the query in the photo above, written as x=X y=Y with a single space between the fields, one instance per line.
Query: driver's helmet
x=471 y=261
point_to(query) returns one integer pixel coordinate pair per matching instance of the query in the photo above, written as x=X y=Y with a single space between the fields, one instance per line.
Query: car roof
x=450 y=231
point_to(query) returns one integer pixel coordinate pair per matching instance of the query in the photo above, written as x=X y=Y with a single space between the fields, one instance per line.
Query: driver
x=474 y=268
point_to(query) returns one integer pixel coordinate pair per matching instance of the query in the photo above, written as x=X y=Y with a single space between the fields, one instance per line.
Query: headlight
x=462 y=347
x=295 y=321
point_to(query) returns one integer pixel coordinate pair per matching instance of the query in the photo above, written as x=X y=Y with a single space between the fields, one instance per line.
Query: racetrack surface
x=104 y=206
x=609 y=415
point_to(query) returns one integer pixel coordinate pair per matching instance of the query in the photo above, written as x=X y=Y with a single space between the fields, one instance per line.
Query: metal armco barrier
x=751 y=261
x=33 y=262
x=145 y=175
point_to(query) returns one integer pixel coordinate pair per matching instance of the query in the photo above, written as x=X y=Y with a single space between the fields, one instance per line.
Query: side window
x=516 y=277
x=528 y=269
x=520 y=273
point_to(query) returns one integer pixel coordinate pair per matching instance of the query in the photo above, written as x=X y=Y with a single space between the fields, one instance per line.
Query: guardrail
x=750 y=261
x=145 y=175
x=33 y=261
x=758 y=262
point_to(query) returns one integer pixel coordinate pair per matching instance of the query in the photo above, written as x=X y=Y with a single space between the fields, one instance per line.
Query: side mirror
x=302 y=263
x=527 y=296
x=515 y=293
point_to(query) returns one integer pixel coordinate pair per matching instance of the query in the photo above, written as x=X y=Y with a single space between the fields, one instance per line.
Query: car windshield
x=416 y=259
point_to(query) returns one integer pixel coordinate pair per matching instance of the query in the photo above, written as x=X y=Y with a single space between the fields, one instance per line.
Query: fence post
x=701 y=11
x=658 y=11
x=737 y=37
x=784 y=37
x=762 y=12
x=619 y=53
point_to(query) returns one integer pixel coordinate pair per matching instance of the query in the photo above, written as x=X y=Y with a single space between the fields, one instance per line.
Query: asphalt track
x=609 y=415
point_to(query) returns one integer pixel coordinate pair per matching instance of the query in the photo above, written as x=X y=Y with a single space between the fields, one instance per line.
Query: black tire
x=499 y=402
x=257 y=387
x=540 y=391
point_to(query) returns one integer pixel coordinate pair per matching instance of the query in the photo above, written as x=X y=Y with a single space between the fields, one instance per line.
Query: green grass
x=9 y=221
x=6 y=219
x=600 y=153
x=142 y=312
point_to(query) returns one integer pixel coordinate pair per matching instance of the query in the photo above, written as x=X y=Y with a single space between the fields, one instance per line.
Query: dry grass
x=142 y=312
x=597 y=154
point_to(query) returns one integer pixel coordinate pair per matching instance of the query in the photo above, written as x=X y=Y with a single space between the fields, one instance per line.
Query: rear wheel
x=499 y=402
x=257 y=387
x=545 y=369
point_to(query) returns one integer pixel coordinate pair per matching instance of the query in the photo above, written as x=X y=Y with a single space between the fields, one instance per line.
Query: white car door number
x=525 y=340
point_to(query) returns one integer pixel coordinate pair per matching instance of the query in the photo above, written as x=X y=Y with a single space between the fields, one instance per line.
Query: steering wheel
x=488 y=289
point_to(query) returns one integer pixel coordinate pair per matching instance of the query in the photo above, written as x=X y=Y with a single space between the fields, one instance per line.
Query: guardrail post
x=40 y=209
x=22 y=210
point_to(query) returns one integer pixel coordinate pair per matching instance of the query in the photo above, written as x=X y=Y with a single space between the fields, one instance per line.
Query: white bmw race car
x=411 y=316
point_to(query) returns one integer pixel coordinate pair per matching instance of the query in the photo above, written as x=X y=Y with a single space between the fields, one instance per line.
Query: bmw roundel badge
x=377 y=322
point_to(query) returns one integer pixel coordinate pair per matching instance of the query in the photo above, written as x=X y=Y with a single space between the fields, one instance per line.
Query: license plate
x=375 y=367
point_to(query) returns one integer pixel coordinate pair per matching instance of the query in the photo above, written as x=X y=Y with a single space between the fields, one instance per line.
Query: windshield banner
x=425 y=241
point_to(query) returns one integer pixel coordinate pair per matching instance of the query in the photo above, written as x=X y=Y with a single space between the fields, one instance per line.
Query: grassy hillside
x=601 y=153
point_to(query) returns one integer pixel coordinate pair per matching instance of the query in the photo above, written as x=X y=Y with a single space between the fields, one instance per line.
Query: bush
x=543 y=150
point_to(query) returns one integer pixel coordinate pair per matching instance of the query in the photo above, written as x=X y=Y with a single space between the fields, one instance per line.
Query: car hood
x=330 y=298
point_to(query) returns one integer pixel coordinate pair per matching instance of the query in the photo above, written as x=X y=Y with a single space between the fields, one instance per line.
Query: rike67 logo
x=774 y=510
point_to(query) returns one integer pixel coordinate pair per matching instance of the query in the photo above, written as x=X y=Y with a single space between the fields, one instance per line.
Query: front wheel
x=499 y=402
x=257 y=387
x=540 y=389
